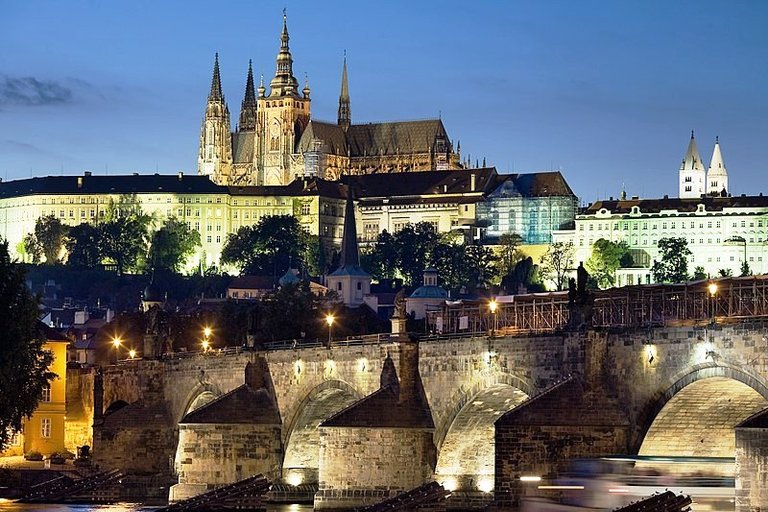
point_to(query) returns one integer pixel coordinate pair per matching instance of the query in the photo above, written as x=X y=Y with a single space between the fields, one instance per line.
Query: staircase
x=64 y=489
x=243 y=495
x=421 y=497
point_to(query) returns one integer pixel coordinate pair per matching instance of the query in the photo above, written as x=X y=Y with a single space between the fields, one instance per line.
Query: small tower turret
x=248 y=106
x=692 y=175
x=215 y=155
x=284 y=83
x=717 y=177
x=345 y=111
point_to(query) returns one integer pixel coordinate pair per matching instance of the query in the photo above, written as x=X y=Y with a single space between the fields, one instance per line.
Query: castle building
x=694 y=180
x=275 y=140
x=722 y=231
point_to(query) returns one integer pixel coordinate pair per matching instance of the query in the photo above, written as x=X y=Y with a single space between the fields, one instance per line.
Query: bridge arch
x=301 y=458
x=202 y=394
x=697 y=412
x=465 y=439
x=115 y=406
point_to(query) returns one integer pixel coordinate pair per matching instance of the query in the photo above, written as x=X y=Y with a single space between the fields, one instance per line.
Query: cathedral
x=276 y=141
x=694 y=181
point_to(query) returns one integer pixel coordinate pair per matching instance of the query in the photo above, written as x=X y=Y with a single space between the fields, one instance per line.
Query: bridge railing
x=629 y=306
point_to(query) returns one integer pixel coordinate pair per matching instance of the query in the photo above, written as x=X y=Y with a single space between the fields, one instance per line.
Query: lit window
x=45 y=428
x=46 y=395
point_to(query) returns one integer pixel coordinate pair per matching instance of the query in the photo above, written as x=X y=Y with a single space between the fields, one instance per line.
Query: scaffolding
x=628 y=306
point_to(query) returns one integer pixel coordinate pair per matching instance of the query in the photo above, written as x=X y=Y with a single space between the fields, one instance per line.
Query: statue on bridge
x=157 y=340
x=580 y=301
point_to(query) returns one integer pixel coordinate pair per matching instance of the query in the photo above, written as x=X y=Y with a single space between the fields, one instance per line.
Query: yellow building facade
x=44 y=431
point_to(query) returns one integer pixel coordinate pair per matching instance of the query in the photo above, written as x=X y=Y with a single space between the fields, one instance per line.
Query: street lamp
x=493 y=306
x=712 y=293
x=329 y=320
x=116 y=341
x=132 y=353
x=207 y=331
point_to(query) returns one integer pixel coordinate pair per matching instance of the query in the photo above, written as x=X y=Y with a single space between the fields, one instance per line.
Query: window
x=338 y=286
x=687 y=188
x=45 y=428
x=305 y=209
x=359 y=285
x=208 y=239
x=46 y=395
x=218 y=239
x=688 y=179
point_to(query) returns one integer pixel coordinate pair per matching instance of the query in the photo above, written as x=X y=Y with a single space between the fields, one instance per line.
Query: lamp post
x=132 y=353
x=712 y=294
x=493 y=306
x=116 y=341
x=329 y=320
x=207 y=331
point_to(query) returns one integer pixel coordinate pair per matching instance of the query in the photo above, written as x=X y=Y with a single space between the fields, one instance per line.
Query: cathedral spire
x=284 y=83
x=216 y=94
x=692 y=160
x=717 y=177
x=248 y=107
x=345 y=111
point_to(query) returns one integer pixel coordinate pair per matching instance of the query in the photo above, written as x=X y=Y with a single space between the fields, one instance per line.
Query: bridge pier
x=752 y=464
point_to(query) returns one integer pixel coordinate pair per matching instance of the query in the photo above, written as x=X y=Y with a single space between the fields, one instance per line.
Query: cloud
x=30 y=91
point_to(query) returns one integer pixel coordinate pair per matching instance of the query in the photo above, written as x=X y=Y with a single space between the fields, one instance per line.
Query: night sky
x=606 y=91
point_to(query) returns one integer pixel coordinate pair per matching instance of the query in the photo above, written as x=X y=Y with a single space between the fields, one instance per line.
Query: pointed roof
x=349 y=252
x=716 y=165
x=241 y=405
x=692 y=160
x=216 y=94
x=250 y=91
x=284 y=83
x=344 y=83
x=345 y=112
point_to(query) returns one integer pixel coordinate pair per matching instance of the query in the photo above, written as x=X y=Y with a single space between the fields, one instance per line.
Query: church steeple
x=248 y=106
x=692 y=175
x=345 y=111
x=717 y=177
x=216 y=94
x=284 y=83
x=350 y=256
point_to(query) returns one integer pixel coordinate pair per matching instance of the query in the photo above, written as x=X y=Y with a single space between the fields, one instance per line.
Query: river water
x=119 y=507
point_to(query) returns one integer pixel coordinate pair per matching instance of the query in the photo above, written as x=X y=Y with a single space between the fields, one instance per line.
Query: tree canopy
x=49 y=237
x=23 y=361
x=556 y=263
x=274 y=244
x=606 y=258
x=672 y=265
x=83 y=245
x=125 y=234
x=171 y=245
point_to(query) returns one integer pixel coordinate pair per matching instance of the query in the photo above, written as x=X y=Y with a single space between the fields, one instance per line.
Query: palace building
x=276 y=140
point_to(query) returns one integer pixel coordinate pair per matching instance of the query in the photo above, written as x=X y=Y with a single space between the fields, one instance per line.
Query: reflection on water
x=118 y=507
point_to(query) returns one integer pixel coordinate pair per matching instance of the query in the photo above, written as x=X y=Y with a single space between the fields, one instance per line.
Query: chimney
x=88 y=173
x=472 y=182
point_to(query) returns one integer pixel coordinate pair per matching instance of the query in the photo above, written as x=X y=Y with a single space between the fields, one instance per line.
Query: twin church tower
x=695 y=181
x=276 y=141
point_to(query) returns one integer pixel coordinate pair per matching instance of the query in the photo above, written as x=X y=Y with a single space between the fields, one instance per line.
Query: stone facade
x=360 y=466
x=751 y=469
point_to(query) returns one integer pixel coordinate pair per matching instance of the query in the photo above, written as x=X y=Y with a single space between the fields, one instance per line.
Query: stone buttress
x=383 y=444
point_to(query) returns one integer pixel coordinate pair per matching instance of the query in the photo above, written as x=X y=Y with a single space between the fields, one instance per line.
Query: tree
x=23 y=361
x=172 y=244
x=32 y=248
x=725 y=272
x=509 y=255
x=672 y=265
x=606 y=258
x=479 y=265
x=269 y=247
x=415 y=245
x=50 y=233
x=124 y=233
x=699 y=273
x=556 y=262
x=524 y=275
x=83 y=245
x=382 y=260
x=745 y=270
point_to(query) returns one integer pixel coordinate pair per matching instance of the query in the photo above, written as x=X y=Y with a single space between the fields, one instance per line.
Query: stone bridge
x=677 y=390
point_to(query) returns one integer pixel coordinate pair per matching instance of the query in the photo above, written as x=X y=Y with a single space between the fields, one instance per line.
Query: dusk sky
x=606 y=91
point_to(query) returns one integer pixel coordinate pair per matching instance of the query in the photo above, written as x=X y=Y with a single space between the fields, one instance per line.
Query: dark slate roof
x=334 y=140
x=383 y=409
x=118 y=184
x=49 y=333
x=758 y=420
x=371 y=186
x=139 y=415
x=241 y=405
x=253 y=283
x=242 y=147
x=402 y=137
x=539 y=184
x=566 y=403
x=676 y=203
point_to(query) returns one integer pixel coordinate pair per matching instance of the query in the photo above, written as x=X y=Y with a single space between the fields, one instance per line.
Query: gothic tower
x=345 y=112
x=692 y=174
x=248 y=106
x=215 y=156
x=281 y=117
x=717 y=177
